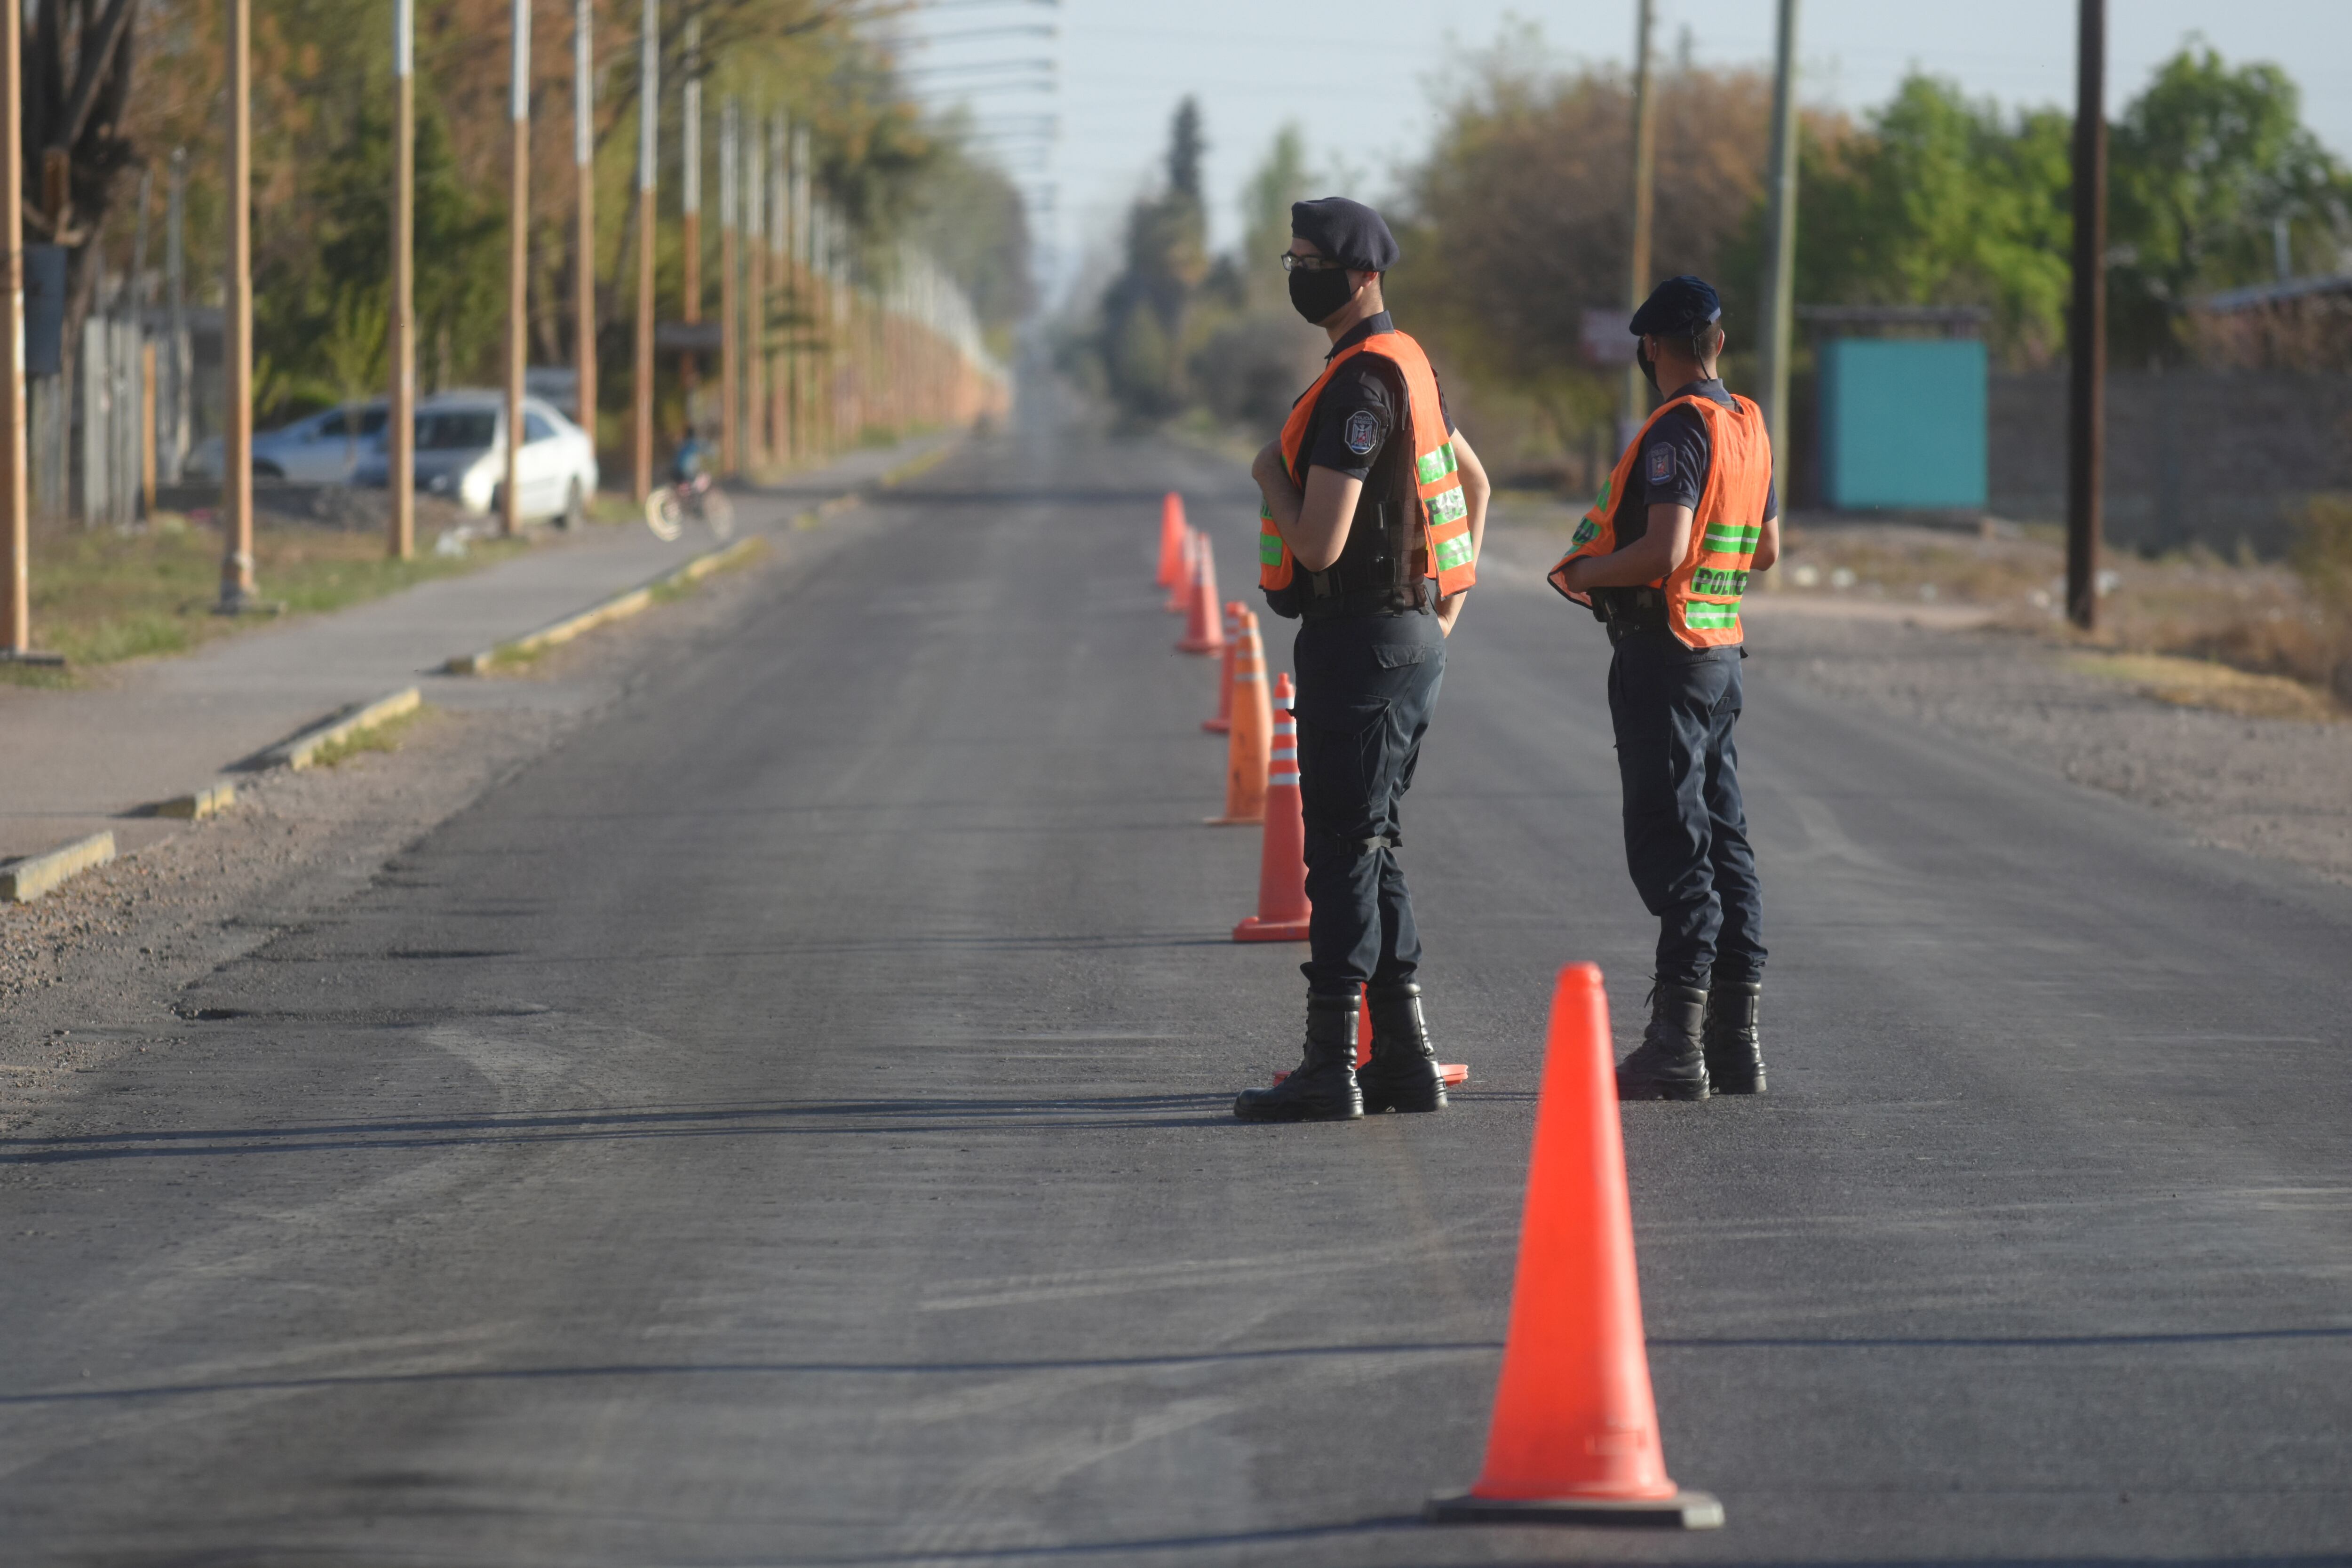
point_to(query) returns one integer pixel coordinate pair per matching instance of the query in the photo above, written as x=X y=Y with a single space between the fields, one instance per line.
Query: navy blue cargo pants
x=1367 y=685
x=1685 y=825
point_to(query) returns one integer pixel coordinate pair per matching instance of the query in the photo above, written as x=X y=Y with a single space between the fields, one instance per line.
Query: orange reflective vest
x=1703 y=590
x=1445 y=511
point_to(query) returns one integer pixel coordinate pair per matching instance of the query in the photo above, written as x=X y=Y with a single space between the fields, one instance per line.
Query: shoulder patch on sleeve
x=1660 y=460
x=1362 y=432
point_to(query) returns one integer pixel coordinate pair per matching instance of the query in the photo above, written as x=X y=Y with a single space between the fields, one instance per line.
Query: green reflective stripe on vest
x=1454 y=552
x=1586 y=532
x=1702 y=616
x=1435 y=465
x=1730 y=539
x=1448 y=506
x=1600 y=501
x=1269 y=550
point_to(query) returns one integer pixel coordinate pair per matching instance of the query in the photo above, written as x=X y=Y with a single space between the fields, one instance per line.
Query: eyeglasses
x=1294 y=262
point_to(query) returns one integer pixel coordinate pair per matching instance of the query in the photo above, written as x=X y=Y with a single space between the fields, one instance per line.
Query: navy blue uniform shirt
x=1671 y=469
x=1361 y=407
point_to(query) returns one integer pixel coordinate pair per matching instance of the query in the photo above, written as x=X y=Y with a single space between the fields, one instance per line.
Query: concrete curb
x=202 y=804
x=22 y=882
x=302 y=748
x=620 y=606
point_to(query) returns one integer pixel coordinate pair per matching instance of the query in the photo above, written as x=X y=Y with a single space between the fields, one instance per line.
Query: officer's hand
x=1449 y=610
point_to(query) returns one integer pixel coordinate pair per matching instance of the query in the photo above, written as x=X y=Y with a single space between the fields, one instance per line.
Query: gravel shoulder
x=2279 y=788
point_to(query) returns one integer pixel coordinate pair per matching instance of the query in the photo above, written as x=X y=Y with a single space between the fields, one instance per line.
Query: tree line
x=322 y=151
x=1514 y=223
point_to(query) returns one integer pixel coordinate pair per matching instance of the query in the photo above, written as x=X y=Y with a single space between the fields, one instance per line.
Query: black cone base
x=1683 y=1511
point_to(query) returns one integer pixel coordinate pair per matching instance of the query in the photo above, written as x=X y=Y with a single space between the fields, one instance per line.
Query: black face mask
x=1320 y=295
x=1649 y=367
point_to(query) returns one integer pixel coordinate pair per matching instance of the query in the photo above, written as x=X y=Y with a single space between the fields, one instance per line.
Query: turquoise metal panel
x=1903 y=424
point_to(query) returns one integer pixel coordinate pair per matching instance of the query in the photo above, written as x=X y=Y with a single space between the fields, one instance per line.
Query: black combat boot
x=1322 y=1087
x=1735 y=1056
x=1403 y=1074
x=1669 y=1063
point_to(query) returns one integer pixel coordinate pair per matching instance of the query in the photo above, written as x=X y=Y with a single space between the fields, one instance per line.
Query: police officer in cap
x=1663 y=559
x=1369 y=536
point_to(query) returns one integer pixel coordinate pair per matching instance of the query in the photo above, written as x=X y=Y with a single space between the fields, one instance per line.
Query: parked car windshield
x=339 y=423
x=455 y=429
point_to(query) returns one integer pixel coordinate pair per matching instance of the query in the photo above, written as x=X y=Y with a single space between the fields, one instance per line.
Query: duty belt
x=1630 y=610
x=1365 y=602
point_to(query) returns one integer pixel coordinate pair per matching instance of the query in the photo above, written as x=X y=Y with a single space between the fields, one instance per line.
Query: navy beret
x=1350 y=232
x=1675 y=306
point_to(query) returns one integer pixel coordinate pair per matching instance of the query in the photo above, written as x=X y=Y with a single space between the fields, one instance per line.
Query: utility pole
x=689 y=192
x=796 y=360
x=730 y=306
x=1646 y=153
x=400 y=425
x=2086 y=412
x=755 y=296
x=583 y=235
x=780 y=419
x=175 y=283
x=518 y=261
x=649 y=125
x=16 y=571
x=238 y=590
x=1775 y=341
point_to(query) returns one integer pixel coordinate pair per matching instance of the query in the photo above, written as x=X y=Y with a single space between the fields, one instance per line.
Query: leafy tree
x=1167 y=260
x=2202 y=166
x=1253 y=355
x=1519 y=222
x=1938 y=200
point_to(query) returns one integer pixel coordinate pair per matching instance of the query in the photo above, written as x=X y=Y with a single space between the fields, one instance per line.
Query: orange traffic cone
x=1249 y=743
x=1171 y=540
x=1282 y=907
x=1203 y=632
x=1180 y=592
x=1575 y=1432
x=1224 y=721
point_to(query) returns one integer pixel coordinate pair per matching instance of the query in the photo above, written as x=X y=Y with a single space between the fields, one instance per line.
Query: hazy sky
x=1356 y=74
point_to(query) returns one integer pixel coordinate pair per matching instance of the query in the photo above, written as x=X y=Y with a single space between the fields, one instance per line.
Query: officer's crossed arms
x=1314 y=521
x=1666 y=544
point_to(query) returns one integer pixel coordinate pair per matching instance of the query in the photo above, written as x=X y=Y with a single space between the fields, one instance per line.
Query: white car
x=461 y=453
x=321 y=450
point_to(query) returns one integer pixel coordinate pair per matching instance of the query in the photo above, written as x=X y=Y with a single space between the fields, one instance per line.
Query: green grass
x=100 y=597
x=384 y=737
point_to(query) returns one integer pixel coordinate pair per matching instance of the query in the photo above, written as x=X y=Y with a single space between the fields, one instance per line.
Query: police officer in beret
x=1374 y=507
x=1663 y=559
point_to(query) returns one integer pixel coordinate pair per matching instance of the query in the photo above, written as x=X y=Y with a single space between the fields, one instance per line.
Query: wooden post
x=780 y=418
x=237 y=590
x=755 y=298
x=400 y=423
x=1646 y=155
x=796 y=366
x=517 y=260
x=147 y=427
x=690 y=192
x=731 y=305
x=648 y=129
x=2087 y=335
x=583 y=235
x=15 y=549
x=1775 y=341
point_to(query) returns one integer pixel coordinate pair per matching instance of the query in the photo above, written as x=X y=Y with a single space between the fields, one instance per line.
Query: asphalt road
x=790 y=1124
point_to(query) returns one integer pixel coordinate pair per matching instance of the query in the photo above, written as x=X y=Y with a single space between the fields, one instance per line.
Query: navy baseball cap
x=1350 y=232
x=1675 y=306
